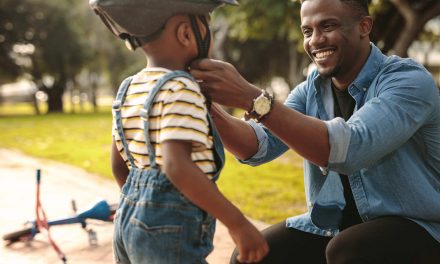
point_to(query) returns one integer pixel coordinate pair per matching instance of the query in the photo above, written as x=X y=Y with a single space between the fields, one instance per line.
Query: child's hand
x=251 y=245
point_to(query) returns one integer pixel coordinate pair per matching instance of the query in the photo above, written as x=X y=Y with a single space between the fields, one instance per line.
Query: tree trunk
x=55 y=98
x=1 y=94
x=406 y=38
x=415 y=20
x=93 y=93
x=35 y=104
x=72 y=92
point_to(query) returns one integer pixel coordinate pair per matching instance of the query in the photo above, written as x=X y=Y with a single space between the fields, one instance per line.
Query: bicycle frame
x=101 y=210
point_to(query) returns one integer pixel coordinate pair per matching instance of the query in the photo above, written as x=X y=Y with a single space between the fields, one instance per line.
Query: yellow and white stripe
x=178 y=113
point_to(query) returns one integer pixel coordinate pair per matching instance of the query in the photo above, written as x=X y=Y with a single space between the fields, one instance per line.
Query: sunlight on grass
x=82 y=140
x=269 y=193
x=19 y=109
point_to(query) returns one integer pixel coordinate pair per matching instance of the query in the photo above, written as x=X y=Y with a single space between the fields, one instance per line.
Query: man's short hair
x=361 y=6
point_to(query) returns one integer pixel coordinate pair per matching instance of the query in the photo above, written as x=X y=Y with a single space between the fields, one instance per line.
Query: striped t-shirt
x=178 y=113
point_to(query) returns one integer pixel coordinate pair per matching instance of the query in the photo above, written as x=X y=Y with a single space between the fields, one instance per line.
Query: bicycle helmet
x=140 y=21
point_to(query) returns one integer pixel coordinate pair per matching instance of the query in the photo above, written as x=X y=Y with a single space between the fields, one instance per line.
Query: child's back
x=178 y=112
x=166 y=152
x=155 y=222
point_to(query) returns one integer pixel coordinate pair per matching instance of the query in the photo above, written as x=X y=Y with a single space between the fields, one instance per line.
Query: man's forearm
x=238 y=137
x=308 y=136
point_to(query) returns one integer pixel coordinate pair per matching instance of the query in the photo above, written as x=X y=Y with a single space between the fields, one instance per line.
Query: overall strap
x=145 y=112
x=219 y=152
x=117 y=104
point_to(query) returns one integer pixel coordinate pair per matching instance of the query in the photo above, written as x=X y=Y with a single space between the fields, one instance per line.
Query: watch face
x=262 y=106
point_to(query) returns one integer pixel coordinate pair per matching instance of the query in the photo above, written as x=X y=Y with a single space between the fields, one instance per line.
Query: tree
x=264 y=38
x=107 y=55
x=43 y=43
x=9 y=69
x=391 y=15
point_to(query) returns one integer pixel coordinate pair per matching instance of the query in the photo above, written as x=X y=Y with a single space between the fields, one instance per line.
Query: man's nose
x=316 y=38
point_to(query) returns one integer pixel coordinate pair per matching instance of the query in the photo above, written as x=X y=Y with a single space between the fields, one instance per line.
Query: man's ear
x=365 y=26
x=184 y=33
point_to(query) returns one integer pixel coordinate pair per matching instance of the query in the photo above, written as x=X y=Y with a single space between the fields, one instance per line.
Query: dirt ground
x=60 y=184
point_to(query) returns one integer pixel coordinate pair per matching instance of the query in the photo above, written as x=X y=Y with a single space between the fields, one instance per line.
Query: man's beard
x=332 y=73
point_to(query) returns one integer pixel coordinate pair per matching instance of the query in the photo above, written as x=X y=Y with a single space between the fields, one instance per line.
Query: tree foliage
x=264 y=38
x=400 y=22
x=51 y=42
x=42 y=44
x=54 y=42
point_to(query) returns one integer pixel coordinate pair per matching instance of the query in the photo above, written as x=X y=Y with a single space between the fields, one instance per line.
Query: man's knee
x=343 y=251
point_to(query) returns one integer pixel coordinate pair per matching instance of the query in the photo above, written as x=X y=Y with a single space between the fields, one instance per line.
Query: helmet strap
x=202 y=43
x=133 y=42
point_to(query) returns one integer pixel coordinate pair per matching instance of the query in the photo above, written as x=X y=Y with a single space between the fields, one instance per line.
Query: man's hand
x=306 y=135
x=221 y=82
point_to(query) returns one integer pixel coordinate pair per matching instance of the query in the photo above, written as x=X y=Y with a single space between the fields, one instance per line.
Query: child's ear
x=184 y=34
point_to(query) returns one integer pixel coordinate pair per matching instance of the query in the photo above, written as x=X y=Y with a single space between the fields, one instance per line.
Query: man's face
x=331 y=36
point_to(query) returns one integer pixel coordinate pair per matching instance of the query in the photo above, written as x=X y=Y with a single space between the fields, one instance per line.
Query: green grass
x=269 y=193
x=82 y=140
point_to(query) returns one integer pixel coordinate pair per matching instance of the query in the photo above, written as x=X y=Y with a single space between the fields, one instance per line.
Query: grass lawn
x=269 y=193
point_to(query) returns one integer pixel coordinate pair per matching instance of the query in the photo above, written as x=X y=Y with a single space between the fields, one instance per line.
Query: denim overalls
x=155 y=223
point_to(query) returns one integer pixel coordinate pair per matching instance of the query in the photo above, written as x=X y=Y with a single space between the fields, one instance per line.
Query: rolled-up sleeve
x=262 y=139
x=396 y=108
x=339 y=134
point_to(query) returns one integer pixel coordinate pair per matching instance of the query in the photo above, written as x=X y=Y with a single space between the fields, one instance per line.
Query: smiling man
x=368 y=126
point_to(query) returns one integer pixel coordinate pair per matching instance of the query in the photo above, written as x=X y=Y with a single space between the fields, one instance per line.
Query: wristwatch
x=261 y=106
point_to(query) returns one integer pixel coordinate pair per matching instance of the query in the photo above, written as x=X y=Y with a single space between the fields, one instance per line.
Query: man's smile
x=320 y=55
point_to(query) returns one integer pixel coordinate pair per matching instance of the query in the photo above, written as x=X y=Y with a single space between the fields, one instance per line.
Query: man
x=368 y=127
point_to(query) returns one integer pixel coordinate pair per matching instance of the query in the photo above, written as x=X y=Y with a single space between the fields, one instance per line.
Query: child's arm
x=195 y=185
x=119 y=167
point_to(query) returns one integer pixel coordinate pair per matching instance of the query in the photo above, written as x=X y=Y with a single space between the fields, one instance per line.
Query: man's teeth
x=323 y=54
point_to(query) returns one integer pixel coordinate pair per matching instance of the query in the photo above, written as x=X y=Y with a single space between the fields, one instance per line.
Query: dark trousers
x=379 y=241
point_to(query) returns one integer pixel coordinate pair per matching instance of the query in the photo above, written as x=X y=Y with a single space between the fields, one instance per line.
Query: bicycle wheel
x=18 y=235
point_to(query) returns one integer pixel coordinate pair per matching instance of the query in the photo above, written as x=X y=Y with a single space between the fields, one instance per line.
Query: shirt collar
x=365 y=76
x=369 y=70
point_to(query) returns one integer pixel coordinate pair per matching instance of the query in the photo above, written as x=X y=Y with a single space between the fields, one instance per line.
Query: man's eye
x=328 y=27
x=307 y=32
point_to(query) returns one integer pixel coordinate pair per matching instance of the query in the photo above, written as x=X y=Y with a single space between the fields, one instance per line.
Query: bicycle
x=101 y=210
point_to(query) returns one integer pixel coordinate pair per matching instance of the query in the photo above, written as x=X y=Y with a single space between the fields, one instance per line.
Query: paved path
x=60 y=184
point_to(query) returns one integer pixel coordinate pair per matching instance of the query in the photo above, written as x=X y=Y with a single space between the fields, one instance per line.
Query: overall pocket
x=158 y=244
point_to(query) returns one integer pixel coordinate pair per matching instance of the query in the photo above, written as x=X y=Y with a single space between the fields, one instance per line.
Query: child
x=166 y=153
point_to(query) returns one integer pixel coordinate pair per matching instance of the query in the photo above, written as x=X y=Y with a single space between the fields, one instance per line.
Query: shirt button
x=364 y=89
x=328 y=233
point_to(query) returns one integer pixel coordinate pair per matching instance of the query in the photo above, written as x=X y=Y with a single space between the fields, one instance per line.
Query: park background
x=60 y=68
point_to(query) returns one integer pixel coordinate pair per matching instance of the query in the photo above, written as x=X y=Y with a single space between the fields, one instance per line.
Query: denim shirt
x=389 y=148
